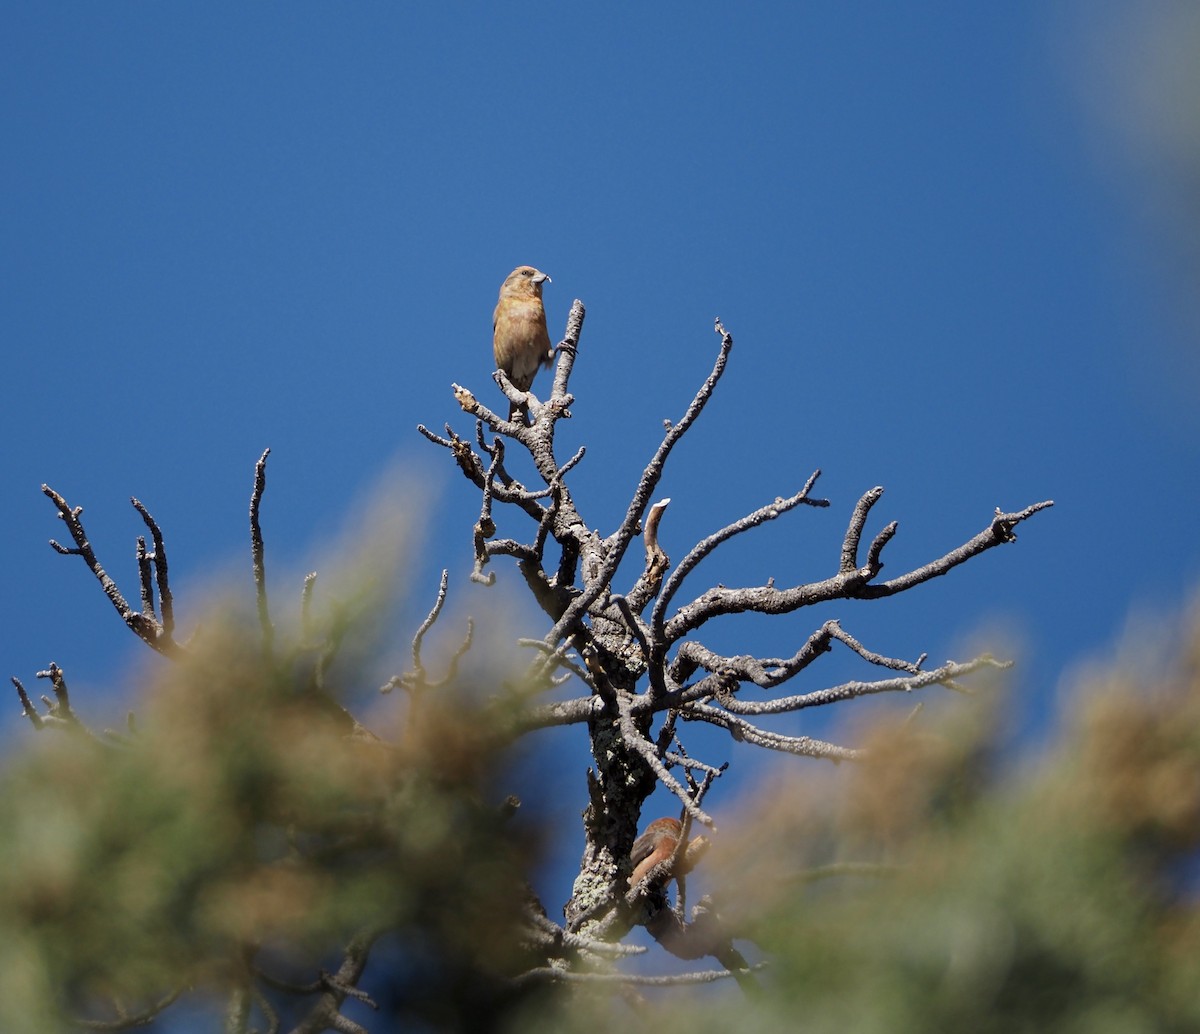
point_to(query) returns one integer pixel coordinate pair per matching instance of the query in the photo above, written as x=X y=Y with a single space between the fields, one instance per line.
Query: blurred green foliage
x=250 y=821
x=251 y=826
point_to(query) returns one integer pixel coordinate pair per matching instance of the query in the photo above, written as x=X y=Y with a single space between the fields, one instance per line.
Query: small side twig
x=145 y=578
x=427 y=624
x=166 y=603
x=418 y=679
x=306 y=597
x=127 y=1020
x=144 y=627
x=858 y=520
x=257 y=550
x=27 y=708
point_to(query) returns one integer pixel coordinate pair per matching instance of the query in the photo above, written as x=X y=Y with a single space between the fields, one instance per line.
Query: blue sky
x=947 y=265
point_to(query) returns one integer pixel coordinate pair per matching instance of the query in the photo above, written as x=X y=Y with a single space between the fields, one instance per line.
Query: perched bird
x=657 y=844
x=519 y=338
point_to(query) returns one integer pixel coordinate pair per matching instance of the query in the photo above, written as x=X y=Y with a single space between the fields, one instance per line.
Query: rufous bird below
x=658 y=844
x=520 y=341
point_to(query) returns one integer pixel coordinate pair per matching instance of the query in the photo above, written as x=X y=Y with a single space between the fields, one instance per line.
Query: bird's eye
x=526 y=272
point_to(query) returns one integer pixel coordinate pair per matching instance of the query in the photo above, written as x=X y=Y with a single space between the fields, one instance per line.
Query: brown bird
x=657 y=844
x=520 y=341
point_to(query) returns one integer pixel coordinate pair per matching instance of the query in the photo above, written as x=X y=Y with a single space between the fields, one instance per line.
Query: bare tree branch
x=767 y=599
x=550 y=935
x=942 y=676
x=633 y=738
x=706 y=546
x=769 y=672
x=128 y=1021
x=618 y=542
x=804 y=746
x=552 y=974
x=337 y=987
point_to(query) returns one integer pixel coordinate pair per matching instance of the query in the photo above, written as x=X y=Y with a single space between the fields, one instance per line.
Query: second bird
x=520 y=341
